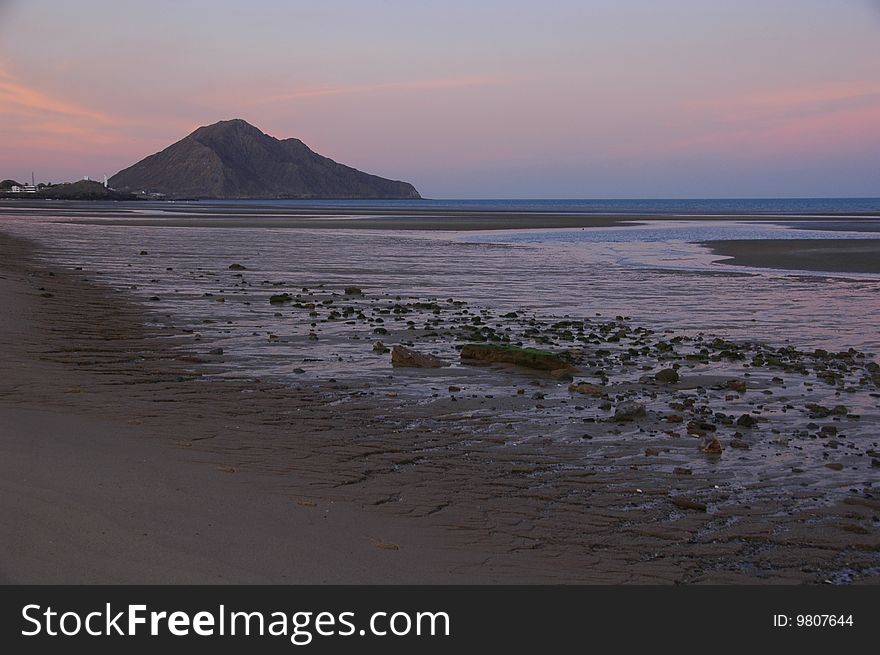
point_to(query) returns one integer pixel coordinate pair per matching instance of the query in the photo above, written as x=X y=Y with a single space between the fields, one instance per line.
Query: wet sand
x=387 y=217
x=832 y=255
x=203 y=474
x=101 y=483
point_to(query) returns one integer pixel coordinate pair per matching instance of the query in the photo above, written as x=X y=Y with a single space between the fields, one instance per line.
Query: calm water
x=654 y=274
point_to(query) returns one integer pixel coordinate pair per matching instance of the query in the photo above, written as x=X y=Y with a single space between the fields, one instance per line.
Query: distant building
x=27 y=188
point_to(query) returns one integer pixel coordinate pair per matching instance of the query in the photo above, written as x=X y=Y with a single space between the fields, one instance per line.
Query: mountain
x=234 y=159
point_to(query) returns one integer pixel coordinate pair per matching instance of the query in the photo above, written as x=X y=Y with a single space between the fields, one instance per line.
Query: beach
x=845 y=256
x=155 y=429
x=102 y=483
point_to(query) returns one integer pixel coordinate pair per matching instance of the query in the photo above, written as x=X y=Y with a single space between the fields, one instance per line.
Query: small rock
x=681 y=470
x=834 y=466
x=586 y=388
x=712 y=447
x=380 y=347
x=215 y=351
x=739 y=443
x=454 y=389
x=402 y=356
x=667 y=376
x=353 y=291
x=629 y=411
x=236 y=267
x=652 y=452
x=700 y=428
x=747 y=421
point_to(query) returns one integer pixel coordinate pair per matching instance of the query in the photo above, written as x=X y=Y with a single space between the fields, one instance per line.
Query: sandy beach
x=101 y=482
x=838 y=255
x=126 y=461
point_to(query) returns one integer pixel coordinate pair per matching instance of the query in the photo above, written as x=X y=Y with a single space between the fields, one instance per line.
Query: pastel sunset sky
x=478 y=99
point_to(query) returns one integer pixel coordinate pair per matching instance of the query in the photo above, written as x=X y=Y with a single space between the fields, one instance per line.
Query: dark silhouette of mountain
x=234 y=159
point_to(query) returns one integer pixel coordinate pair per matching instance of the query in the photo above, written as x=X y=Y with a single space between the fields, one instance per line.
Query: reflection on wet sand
x=741 y=398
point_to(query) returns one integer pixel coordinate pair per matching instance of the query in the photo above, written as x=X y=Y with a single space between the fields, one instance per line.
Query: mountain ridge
x=232 y=159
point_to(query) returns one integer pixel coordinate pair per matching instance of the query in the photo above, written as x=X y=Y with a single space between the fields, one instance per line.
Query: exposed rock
x=527 y=357
x=739 y=443
x=667 y=376
x=380 y=347
x=747 y=421
x=629 y=411
x=236 y=267
x=402 y=356
x=353 y=291
x=819 y=411
x=681 y=470
x=700 y=428
x=280 y=298
x=587 y=389
x=712 y=447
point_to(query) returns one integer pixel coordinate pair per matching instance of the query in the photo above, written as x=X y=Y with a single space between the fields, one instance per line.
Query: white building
x=27 y=188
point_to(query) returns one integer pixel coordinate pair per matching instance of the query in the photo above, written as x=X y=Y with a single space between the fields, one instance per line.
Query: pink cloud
x=830 y=118
x=19 y=99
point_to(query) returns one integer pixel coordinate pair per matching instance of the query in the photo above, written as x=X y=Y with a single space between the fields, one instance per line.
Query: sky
x=478 y=99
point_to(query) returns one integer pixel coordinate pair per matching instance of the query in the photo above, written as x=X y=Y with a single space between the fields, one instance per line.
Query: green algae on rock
x=541 y=360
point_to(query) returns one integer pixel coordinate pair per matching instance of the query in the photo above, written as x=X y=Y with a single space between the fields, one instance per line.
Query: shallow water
x=651 y=274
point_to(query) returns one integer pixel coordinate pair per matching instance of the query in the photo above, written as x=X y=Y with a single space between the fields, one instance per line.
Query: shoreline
x=98 y=487
x=815 y=255
x=405 y=504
